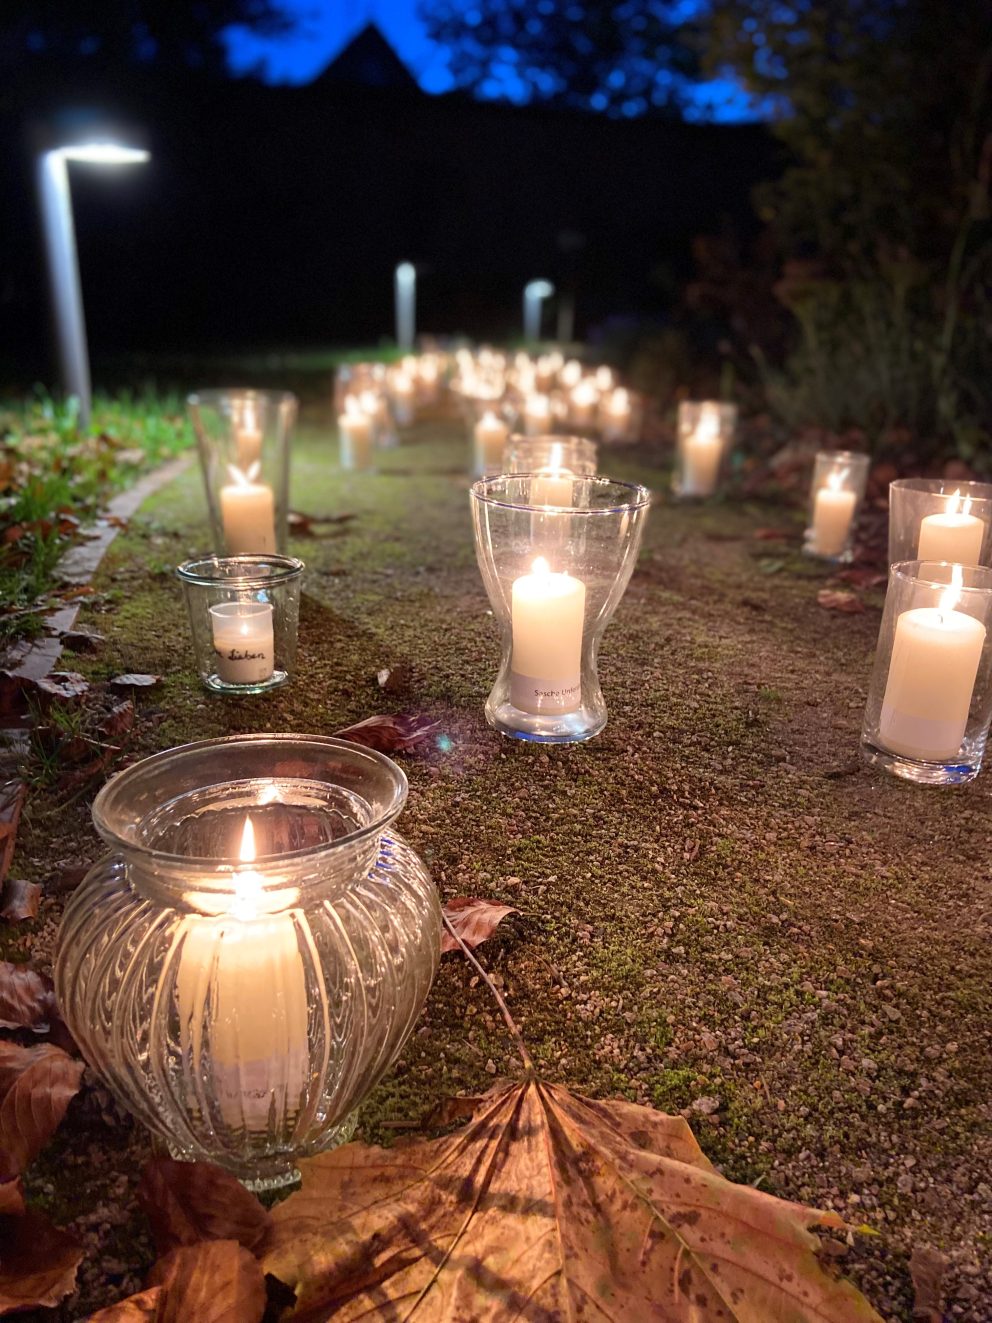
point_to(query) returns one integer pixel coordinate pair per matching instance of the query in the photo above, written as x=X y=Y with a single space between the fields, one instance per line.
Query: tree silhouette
x=621 y=57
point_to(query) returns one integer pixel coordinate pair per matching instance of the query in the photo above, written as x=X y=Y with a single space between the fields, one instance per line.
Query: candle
x=702 y=451
x=584 y=399
x=547 y=620
x=833 y=510
x=952 y=535
x=243 y=1002
x=552 y=485
x=571 y=373
x=244 y=642
x=490 y=438
x=402 y=390
x=604 y=378
x=935 y=658
x=537 y=415
x=248 y=438
x=247 y=511
x=616 y=415
x=356 y=429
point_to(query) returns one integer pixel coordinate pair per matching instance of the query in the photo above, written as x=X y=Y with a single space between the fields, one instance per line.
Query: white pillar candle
x=356 y=430
x=701 y=454
x=537 y=415
x=552 y=486
x=243 y=1003
x=547 y=612
x=935 y=658
x=604 y=378
x=491 y=434
x=248 y=515
x=833 y=510
x=955 y=535
x=616 y=415
x=244 y=641
x=582 y=403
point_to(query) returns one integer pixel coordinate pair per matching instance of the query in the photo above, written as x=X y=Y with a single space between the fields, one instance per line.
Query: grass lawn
x=721 y=909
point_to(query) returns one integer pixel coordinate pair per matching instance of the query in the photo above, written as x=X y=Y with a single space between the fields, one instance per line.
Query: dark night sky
x=325 y=26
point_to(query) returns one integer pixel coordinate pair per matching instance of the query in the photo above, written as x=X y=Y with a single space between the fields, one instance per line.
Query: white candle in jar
x=570 y=373
x=833 y=510
x=402 y=391
x=552 y=485
x=702 y=451
x=537 y=415
x=244 y=641
x=582 y=403
x=936 y=653
x=248 y=514
x=356 y=429
x=243 y=1001
x=616 y=415
x=604 y=378
x=547 y=612
x=248 y=438
x=954 y=535
x=490 y=437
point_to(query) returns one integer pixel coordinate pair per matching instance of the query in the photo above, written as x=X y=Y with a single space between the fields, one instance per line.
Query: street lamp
x=534 y=292
x=63 y=261
x=406 y=305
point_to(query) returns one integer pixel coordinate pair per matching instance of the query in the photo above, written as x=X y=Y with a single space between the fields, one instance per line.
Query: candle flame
x=555 y=457
x=708 y=426
x=540 y=566
x=954 y=503
x=837 y=479
x=248 y=423
x=621 y=400
x=247 y=852
x=966 y=508
x=242 y=477
x=951 y=596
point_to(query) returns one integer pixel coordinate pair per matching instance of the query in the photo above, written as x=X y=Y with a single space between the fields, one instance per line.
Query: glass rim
x=979 y=491
x=640 y=496
x=283 y=570
x=213 y=394
x=106 y=814
x=847 y=456
x=235 y=609
x=909 y=571
x=552 y=438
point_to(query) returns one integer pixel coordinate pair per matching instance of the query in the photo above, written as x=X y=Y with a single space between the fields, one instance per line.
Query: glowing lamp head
x=406 y=273
x=102 y=153
x=538 y=289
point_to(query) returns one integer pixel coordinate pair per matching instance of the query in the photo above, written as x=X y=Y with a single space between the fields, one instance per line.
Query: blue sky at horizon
x=324 y=27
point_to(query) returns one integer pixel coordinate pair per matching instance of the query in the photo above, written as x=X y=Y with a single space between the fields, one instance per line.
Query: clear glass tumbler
x=706 y=431
x=940 y=519
x=556 y=555
x=836 y=493
x=248 y=960
x=930 y=697
x=244 y=614
x=244 y=440
x=560 y=454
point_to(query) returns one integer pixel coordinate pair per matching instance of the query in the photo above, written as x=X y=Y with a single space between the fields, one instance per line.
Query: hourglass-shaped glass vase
x=556 y=554
x=243 y=438
x=250 y=958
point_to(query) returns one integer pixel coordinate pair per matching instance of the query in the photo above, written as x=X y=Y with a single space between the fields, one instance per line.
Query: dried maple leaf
x=217 y=1281
x=474 y=921
x=397 y=733
x=835 y=599
x=27 y=998
x=19 y=900
x=186 y=1202
x=38 y=1264
x=144 y=1307
x=549 y=1206
x=12 y=796
x=36 y=1086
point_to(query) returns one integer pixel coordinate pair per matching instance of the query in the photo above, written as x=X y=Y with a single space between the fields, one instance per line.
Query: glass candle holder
x=838 y=488
x=244 y=613
x=490 y=431
x=243 y=438
x=358 y=430
x=355 y=378
x=555 y=565
x=930 y=698
x=940 y=519
x=705 y=438
x=249 y=959
x=619 y=415
x=567 y=455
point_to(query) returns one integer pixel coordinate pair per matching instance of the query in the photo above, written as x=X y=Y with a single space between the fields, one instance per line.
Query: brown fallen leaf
x=38 y=1264
x=305 y=525
x=862 y=576
x=927 y=1267
x=12 y=796
x=217 y=1281
x=141 y=1308
x=397 y=733
x=19 y=900
x=459 y=1107
x=772 y=534
x=135 y=681
x=474 y=921
x=63 y=686
x=187 y=1202
x=36 y=1086
x=11 y=1198
x=550 y=1206
x=27 y=998
x=835 y=599
x=82 y=640
x=395 y=679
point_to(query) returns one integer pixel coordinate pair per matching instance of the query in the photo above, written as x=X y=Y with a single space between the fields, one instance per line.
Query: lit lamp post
x=406 y=305
x=63 y=262
x=535 y=291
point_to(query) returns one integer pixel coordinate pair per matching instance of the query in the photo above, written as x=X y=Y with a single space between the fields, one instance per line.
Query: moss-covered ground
x=722 y=910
